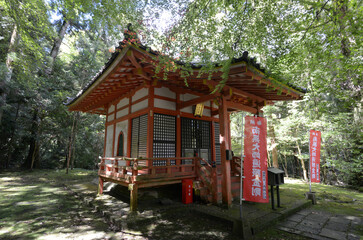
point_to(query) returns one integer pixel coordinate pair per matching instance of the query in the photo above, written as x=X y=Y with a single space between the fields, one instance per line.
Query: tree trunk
x=275 y=162
x=77 y=116
x=302 y=162
x=56 y=45
x=285 y=166
x=71 y=138
x=9 y=72
x=32 y=159
x=35 y=155
x=11 y=142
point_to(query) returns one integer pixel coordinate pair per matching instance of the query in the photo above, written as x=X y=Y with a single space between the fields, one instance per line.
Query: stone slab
x=318 y=217
x=336 y=226
x=305 y=212
x=325 y=232
x=353 y=236
x=288 y=224
x=311 y=224
x=308 y=229
x=340 y=219
x=296 y=218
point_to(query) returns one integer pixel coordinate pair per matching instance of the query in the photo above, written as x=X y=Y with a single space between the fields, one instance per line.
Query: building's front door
x=196 y=138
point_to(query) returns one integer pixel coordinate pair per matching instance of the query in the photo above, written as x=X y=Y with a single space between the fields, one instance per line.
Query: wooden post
x=100 y=186
x=214 y=180
x=133 y=196
x=178 y=135
x=225 y=164
x=129 y=131
x=150 y=124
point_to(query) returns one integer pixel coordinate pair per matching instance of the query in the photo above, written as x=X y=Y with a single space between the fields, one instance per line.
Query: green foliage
x=34 y=120
x=313 y=44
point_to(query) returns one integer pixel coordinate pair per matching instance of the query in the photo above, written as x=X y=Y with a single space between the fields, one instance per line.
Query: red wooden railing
x=131 y=170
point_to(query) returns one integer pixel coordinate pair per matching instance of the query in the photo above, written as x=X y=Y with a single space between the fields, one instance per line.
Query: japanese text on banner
x=315 y=141
x=255 y=163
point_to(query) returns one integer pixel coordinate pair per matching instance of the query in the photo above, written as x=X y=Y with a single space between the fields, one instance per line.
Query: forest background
x=50 y=49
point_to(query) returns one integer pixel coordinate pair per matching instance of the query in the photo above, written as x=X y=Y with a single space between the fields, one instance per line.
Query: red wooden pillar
x=150 y=124
x=229 y=131
x=225 y=164
x=100 y=186
x=105 y=142
x=114 y=132
x=129 y=127
x=214 y=169
x=178 y=132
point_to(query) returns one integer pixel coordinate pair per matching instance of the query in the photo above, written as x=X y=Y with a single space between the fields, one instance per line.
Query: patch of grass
x=334 y=199
x=35 y=205
x=275 y=234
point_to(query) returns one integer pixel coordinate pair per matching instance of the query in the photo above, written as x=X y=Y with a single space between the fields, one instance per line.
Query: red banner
x=255 y=186
x=315 y=140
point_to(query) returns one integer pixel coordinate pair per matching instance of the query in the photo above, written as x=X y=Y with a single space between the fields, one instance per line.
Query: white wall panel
x=123 y=102
x=110 y=117
x=140 y=94
x=187 y=109
x=165 y=92
x=206 y=112
x=111 y=108
x=122 y=113
x=187 y=97
x=207 y=103
x=109 y=141
x=138 y=106
x=160 y=103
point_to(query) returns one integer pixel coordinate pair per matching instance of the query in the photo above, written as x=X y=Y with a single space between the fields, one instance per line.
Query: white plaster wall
x=111 y=108
x=110 y=117
x=214 y=105
x=206 y=112
x=123 y=102
x=187 y=97
x=140 y=94
x=165 y=92
x=207 y=103
x=109 y=141
x=122 y=113
x=121 y=127
x=187 y=109
x=160 y=103
x=138 y=106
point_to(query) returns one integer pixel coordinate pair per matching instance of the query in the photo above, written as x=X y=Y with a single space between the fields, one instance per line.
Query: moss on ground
x=333 y=199
x=36 y=205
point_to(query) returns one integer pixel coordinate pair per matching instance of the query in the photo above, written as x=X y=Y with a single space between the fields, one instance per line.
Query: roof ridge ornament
x=130 y=36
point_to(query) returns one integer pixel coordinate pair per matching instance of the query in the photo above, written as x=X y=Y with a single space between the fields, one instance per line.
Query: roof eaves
x=119 y=51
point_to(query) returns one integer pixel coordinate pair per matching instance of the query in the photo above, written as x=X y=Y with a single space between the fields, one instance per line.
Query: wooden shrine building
x=152 y=136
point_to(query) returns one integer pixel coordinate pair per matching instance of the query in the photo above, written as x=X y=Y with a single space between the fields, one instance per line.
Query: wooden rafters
x=196 y=101
x=237 y=91
x=241 y=107
x=138 y=68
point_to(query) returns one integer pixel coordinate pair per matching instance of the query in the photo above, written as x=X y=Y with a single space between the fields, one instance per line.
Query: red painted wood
x=150 y=124
x=104 y=145
x=187 y=191
x=226 y=168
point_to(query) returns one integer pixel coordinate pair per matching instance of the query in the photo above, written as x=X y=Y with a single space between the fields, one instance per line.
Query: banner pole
x=241 y=174
x=309 y=163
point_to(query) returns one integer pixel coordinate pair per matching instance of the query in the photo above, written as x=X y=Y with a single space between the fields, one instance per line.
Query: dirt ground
x=37 y=205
